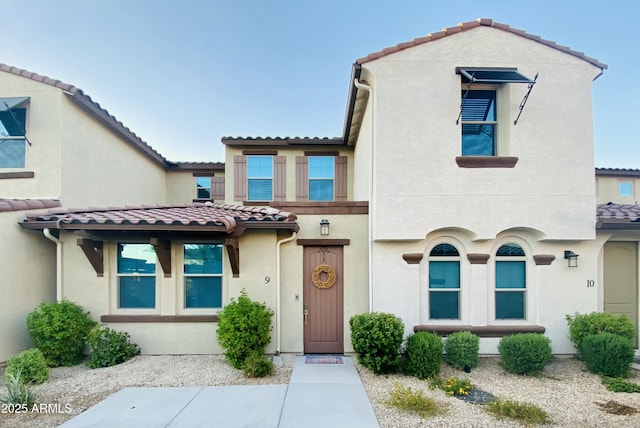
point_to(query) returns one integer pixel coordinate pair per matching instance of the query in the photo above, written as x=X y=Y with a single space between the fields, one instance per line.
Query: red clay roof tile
x=27 y=204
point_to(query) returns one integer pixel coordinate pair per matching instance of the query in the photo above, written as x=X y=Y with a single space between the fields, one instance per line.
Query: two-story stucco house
x=460 y=196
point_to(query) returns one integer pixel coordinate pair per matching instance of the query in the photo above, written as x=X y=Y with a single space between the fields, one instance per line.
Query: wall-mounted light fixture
x=571 y=257
x=324 y=227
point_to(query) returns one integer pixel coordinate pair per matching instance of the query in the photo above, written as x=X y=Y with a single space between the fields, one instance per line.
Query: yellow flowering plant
x=452 y=386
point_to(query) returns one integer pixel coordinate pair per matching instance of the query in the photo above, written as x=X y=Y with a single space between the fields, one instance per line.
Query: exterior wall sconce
x=324 y=227
x=571 y=257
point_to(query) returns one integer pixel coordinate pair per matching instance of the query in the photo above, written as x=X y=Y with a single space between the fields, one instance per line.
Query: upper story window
x=321 y=178
x=511 y=282
x=625 y=188
x=13 y=127
x=136 y=273
x=479 y=123
x=444 y=282
x=203 y=187
x=260 y=178
x=202 y=276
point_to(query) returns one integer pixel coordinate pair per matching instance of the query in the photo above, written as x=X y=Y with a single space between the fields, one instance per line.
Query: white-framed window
x=444 y=282
x=136 y=276
x=625 y=188
x=260 y=178
x=510 y=283
x=13 y=149
x=202 y=276
x=321 y=178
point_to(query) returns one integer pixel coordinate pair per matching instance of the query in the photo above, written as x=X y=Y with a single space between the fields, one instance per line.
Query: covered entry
x=621 y=280
x=323 y=298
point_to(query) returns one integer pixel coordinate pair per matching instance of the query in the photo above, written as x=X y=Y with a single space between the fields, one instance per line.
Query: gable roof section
x=187 y=217
x=101 y=114
x=465 y=26
x=281 y=141
x=618 y=172
x=618 y=216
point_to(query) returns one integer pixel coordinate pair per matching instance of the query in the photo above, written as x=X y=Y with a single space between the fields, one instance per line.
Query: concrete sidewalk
x=324 y=391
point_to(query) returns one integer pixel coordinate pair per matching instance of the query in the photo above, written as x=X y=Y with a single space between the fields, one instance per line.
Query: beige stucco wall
x=552 y=291
x=416 y=103
x=28 y=279
x=607 y=190
x=182 y=186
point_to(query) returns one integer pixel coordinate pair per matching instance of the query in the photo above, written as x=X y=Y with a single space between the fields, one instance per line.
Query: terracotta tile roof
x=618 y=216
x=27 y=204
x=279 y=141
x=617 y=172
x=164 y=217
x=465 y=26
x=94 y=108
x=214 y=166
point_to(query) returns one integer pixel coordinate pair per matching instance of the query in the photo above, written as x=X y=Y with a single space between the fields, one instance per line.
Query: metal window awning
x=471 y=75
x=9 y=103
x=491 y=75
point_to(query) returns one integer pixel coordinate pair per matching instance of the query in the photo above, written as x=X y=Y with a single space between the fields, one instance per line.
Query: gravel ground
x=565 y=390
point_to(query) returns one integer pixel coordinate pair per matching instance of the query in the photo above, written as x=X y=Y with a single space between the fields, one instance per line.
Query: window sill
x=486 y=161
x=481 y=331
x=17 y=174
x=159 y=318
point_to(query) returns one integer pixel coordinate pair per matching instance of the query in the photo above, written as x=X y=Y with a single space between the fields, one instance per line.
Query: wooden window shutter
x=239 y=178
x=217 y=188
x=302 y=178
x=341 y=178
x=279 y=178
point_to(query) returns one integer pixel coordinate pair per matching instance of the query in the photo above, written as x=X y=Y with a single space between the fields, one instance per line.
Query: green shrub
x=257 y=365
x=18 y=392
x=108 y=347
x=404 y=398
x=583 y=325
x=525 y=413
x=423 y=355
x=452 y=386
x=524 y=353
x=31 y=364
x=607 y=354
x=461 y=349
x=377 y=337
x=244 y=327
x=59 y=330
x=618 y=384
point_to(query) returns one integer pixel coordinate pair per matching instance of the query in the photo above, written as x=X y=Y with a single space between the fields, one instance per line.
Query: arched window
x=511 y=282
x=444 y=282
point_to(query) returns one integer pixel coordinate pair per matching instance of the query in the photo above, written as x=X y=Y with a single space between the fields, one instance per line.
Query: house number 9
x=590 y=283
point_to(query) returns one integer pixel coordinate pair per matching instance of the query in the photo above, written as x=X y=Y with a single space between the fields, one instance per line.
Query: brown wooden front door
x=323 y=303
x=621 y=280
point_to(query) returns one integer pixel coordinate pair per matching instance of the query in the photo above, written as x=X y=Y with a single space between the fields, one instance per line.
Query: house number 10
x=590 y=283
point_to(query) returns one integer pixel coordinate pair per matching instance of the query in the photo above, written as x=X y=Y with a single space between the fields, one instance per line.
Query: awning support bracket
x=464 y=98
x=233 y=250
x=93 y=250
x=524 y=100
x=162 y=248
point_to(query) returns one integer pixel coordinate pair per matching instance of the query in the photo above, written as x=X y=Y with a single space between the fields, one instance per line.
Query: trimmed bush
x=423 y=355
x=583 y=325
x=607 y=354
x=461 y=349
x=244 y=327
x=59 y=330
x=108 y=347
x=30 y=364
x=524 y=353
x=377 y=337
x=257 y=365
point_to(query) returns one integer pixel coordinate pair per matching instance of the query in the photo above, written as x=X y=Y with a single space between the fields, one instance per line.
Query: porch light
x=324 y=227
x=571 y=257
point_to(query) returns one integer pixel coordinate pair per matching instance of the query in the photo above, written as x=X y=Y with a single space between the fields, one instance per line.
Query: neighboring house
x=621 y=186
x=457 y=198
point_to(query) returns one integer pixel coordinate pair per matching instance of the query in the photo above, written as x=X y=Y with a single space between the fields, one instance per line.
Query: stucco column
x=478 y=290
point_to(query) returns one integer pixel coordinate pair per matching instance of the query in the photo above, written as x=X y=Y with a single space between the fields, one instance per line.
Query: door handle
x=306 y=313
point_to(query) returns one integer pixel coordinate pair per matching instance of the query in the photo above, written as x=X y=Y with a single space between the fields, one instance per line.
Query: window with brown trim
x=321 y=178
x=260 y=178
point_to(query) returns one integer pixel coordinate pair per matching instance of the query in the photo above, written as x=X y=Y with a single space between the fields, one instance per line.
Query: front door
x=621 y=280
x=323 y=293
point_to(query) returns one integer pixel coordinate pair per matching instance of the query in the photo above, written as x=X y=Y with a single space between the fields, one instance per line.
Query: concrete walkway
x=324 y=391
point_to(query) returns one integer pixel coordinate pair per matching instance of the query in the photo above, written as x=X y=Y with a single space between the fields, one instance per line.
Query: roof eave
x=356 y=71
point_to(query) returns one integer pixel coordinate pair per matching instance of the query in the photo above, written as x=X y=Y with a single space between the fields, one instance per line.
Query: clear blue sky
x=183 y=73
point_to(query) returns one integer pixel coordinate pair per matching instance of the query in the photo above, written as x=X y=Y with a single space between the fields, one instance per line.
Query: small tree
x=244 y=328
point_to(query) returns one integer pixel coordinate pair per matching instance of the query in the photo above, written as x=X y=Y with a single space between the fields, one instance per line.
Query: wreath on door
x=316 y=276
